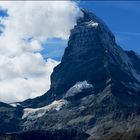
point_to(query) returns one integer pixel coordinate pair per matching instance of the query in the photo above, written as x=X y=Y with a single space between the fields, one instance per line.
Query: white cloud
x=41 y=20
x=23 y=77
x=23 y=71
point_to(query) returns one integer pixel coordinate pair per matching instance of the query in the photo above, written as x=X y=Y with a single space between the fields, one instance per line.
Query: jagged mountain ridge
x=92 y=55
x=95 y=89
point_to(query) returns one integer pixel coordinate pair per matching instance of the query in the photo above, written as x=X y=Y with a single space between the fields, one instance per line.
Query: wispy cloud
x=128 y=33
x=24 y=73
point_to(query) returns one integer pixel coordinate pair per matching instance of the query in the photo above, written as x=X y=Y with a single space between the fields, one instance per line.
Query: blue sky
x=122 y=17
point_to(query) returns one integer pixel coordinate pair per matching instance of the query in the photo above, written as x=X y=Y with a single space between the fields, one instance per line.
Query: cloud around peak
x=24 y=73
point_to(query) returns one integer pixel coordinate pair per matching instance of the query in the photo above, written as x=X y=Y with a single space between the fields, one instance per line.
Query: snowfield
x=93 y=24
x=78 y=87
x=34 y=113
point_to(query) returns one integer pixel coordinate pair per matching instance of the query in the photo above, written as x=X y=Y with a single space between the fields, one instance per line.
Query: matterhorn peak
x=88 y=17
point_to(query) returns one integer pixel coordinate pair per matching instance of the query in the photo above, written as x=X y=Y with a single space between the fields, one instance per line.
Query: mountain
x=9 y=117
x=94 y=90
x=45 y=135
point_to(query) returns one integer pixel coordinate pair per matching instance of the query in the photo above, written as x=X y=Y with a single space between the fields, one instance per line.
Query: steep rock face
x=83 y=58
x=9 y=117
x=95 y=88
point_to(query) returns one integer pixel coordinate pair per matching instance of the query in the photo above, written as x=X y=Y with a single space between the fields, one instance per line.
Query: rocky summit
x=95 y=90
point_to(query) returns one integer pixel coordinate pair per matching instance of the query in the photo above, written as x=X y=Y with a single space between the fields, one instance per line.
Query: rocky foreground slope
x=95 y=90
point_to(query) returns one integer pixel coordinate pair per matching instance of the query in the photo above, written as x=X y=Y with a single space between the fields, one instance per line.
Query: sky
x=32 y=41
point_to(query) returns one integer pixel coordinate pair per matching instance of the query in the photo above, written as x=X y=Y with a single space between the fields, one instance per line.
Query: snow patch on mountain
x=93 y=24
x=78 y=87
x=14 y=104
x=34 y=113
